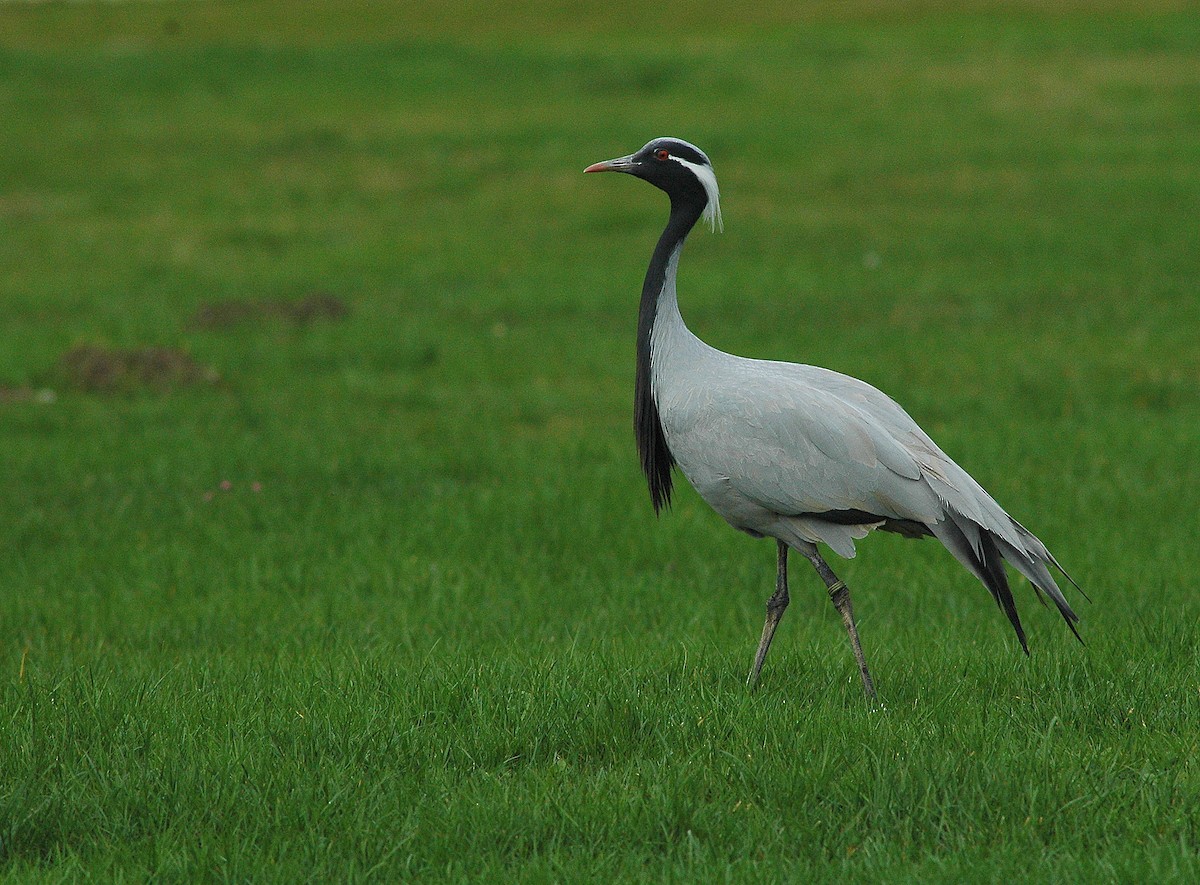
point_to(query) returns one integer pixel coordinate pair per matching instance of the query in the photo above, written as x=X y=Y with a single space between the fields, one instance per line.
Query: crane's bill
x=619 y=164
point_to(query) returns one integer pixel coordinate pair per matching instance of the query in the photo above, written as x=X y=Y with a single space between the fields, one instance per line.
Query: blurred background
x=345 y=251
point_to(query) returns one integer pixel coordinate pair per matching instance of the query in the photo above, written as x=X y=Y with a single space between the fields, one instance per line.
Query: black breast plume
x=656 y=457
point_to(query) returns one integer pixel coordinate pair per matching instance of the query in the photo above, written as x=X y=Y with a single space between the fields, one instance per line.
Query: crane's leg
x=776 y=606
x=839 y=594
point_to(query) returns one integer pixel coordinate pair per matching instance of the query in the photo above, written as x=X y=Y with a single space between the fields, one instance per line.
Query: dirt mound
x=96 y=368
x=299 y=312
x=23 y=393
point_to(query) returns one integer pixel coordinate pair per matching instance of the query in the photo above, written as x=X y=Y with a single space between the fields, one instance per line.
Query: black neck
x=657 y=459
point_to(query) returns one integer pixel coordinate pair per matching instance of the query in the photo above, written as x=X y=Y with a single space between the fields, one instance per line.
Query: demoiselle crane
x=798 y=453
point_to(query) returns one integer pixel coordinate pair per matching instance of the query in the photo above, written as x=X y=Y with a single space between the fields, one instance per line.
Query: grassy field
x=373 y=590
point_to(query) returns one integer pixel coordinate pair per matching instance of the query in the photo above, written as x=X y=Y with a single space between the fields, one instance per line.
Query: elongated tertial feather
x=987 y=565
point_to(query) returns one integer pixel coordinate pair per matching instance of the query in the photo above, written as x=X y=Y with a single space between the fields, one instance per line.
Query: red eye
x=662 y=154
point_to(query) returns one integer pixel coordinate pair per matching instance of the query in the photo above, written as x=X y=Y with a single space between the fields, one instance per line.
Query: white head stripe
x=708 y=178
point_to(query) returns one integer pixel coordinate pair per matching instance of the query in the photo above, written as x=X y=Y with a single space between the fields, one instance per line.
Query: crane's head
x=677 y=167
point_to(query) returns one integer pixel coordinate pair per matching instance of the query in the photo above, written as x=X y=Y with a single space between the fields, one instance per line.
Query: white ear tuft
x=708 y=178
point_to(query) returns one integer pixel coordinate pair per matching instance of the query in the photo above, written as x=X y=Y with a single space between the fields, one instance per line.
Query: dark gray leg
x=839 y=594
x=776 y=606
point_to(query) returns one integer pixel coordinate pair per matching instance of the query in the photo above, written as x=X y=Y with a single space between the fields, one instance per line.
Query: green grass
x=443 y=637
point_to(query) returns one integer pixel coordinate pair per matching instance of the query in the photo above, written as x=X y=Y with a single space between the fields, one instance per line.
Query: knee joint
x=838 y=592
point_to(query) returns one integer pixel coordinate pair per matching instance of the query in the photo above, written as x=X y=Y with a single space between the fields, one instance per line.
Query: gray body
x=771 y=446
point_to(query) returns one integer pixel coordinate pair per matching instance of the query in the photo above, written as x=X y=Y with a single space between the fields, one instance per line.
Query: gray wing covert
x=795 y=447
x=953 y=490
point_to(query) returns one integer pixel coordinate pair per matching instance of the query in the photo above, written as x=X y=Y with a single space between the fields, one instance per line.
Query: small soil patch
x=297 y=311
x=94 y=368
x=26 y=394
